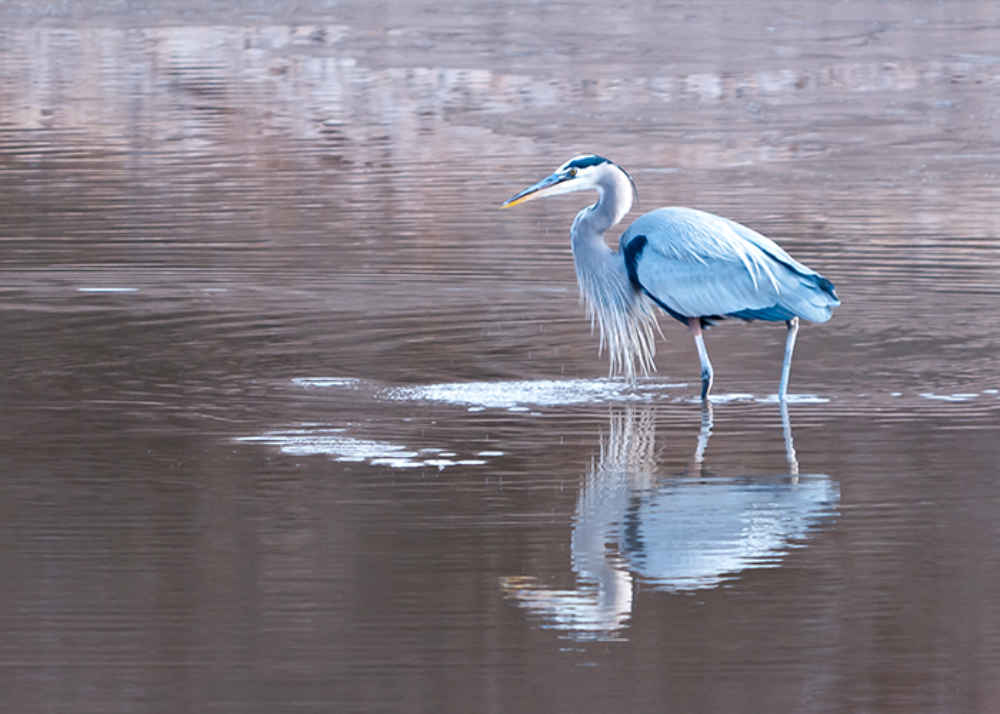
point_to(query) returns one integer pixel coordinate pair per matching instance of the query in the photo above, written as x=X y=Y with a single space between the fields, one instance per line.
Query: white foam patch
x=312 y=439
x=400 y=463
x=961 y=397
x=327 y=440
x=726 y=398
x=440 y=463
x=794 y=399
x=521 y=396
x=770 y=399
x=325 y=381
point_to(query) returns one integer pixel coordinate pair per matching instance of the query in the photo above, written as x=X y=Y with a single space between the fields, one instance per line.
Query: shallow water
x=296 y=420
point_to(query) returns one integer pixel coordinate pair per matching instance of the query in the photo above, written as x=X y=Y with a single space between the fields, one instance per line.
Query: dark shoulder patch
x=632 y=251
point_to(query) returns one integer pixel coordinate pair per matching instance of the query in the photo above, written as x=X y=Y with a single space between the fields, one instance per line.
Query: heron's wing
x=697 y=264
x=772 y=249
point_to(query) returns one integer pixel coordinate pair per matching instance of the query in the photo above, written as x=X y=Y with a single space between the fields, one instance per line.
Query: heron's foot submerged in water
x=707 y=374
x=706 y=383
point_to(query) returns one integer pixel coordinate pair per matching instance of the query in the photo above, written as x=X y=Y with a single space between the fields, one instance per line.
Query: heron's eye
x=572 y=173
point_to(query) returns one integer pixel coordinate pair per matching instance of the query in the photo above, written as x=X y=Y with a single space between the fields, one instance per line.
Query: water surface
x=296 y=420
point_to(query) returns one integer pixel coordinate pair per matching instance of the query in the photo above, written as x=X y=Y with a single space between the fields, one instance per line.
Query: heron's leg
x=706 y=367
x=786 y=366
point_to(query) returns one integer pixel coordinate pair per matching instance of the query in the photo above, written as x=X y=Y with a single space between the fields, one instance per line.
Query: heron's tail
x=817 y=302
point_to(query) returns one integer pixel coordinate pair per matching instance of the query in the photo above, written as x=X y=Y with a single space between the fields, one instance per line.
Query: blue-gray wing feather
x=697 y=264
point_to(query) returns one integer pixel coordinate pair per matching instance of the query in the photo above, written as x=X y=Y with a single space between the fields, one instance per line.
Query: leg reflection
x=703 y=435
x=786 y=430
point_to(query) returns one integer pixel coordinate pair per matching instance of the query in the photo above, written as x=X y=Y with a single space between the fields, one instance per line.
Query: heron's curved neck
x=614 y=200
x=593 y=257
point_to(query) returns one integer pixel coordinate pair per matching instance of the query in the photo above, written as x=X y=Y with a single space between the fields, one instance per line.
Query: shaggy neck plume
x=624 y=317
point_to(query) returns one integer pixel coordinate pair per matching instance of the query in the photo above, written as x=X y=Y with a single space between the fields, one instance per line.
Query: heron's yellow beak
x=559 y=182
x=520 y=198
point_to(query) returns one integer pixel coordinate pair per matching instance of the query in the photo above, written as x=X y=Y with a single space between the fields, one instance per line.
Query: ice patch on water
x=313 y=439
x=519 y=396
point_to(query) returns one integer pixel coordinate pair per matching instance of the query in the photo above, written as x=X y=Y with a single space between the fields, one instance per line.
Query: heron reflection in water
x=698 y=267
x=677 y=533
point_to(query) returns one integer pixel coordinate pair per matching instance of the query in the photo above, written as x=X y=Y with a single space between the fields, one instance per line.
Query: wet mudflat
x=296 y=420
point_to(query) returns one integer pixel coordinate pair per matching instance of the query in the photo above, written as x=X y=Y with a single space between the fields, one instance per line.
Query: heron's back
x=697 y=264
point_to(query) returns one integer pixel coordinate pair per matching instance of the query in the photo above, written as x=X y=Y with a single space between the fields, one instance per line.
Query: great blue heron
x=697 y=266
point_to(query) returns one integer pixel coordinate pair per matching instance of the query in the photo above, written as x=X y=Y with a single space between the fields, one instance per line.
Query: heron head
x=586 y=171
